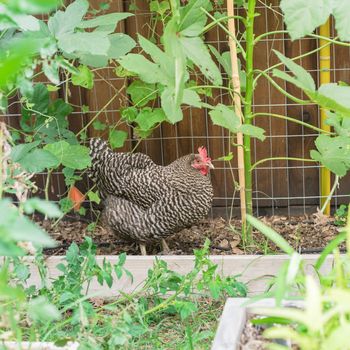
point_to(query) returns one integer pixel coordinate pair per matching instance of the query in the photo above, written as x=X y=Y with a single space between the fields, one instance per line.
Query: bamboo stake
x=238 y=108
x=325 y=78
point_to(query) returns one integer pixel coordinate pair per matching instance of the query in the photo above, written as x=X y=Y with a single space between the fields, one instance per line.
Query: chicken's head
x=202 y=162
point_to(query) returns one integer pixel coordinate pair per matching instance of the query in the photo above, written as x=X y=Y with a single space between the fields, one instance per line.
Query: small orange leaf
x=76 y=197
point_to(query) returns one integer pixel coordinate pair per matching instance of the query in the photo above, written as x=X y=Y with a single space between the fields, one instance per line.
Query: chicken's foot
x=165 y=246
x=143 y=249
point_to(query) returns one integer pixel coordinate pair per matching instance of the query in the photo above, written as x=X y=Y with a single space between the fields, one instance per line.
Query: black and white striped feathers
x=145 y=201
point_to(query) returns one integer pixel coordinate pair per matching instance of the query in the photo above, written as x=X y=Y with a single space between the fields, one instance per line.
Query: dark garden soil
x=307 y=234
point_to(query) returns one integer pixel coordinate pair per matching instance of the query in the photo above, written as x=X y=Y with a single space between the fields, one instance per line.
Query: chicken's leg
x=165 y=246
x=143 y=249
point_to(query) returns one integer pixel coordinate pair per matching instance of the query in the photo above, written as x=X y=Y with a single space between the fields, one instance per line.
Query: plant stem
x=281 y=158
x=294 y=120
x=248 y=109
x=47 y=184
x=330 y=195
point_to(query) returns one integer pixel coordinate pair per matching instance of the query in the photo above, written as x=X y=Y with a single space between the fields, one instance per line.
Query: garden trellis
x=280 y=186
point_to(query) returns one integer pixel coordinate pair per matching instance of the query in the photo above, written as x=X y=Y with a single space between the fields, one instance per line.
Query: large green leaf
x=193 y=19
x=65 y=22
x=197 y=52
x=95 y=43
x=39 y=160
x=191 y=98
x=303 y=78
x=120 y=45
x=165 y=61
x=148 y=71
x=141 y=93
x=334 y=97
x=71 y=156
x=171 y=108
x=18 y=152
x=341 y=10
x=303 y=17
x=33 y=6
x=225 y=117
x=105 y=20
x=333 y=153
x=253 y=131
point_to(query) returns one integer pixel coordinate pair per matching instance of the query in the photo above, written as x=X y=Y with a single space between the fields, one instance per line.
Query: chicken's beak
x=210 y=165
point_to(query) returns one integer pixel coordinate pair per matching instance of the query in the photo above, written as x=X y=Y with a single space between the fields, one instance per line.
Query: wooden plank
x=257 y=272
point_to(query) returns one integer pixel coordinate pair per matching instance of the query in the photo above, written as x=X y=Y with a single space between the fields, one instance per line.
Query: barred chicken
x=147 y=202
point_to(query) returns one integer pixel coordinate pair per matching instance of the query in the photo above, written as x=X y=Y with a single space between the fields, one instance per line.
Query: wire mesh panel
x=287 y=186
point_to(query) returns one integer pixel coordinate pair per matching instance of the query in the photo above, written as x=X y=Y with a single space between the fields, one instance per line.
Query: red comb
x=203 y=152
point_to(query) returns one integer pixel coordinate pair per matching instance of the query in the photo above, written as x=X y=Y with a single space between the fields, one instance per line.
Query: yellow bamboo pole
x=325 y=78
x=238 y=108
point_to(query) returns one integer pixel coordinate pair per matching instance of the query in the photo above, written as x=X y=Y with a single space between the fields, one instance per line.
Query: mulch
x=307 y=234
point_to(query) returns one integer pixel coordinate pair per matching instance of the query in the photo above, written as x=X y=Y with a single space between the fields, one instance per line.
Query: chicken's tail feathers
x=97 y=148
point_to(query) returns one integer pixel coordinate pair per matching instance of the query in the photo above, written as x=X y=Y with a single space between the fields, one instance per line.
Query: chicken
x=145 y=201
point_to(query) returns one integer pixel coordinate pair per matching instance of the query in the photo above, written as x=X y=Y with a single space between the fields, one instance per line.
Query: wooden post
x=325 y=78
x=238 y=108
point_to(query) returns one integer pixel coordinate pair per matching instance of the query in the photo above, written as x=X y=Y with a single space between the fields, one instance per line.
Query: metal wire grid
x=264 y=201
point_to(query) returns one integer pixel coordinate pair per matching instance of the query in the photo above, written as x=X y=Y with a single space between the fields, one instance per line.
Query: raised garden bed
x=256 y=272
x=306 y=234
x=235 y=332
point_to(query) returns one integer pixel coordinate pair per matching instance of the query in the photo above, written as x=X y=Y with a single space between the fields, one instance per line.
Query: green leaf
x=18 y=152
x=303 y=79
x=85 y=78
x=94 y=43
x=171 y=108
x=160 y=7
x=105 y=20
x=33 y=6
x=227 y=158
x=197 y=52
x=191 y=98
x=226 y=117
x=51 y=72
x=117 y=138
x=120 y=45
x=40 y=98
x=65 y=22
x=71 y=156
x=334 y=97
x=149 y=72
x=66 y=204
x=341 y=10
x=77 y=157
x=333 y=153
x=253 y=131
x=148 y=118
x=129 y=114
x=45 y=207
x=193 y=19
x=303 y=17
x=141 y=93
x=39 y=309
x=38 y=160
x=271 y=234
x=98 y=125
x=94 y=197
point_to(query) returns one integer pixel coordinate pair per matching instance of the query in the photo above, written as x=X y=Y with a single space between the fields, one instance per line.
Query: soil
x=252 y=339
x=307 y=234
